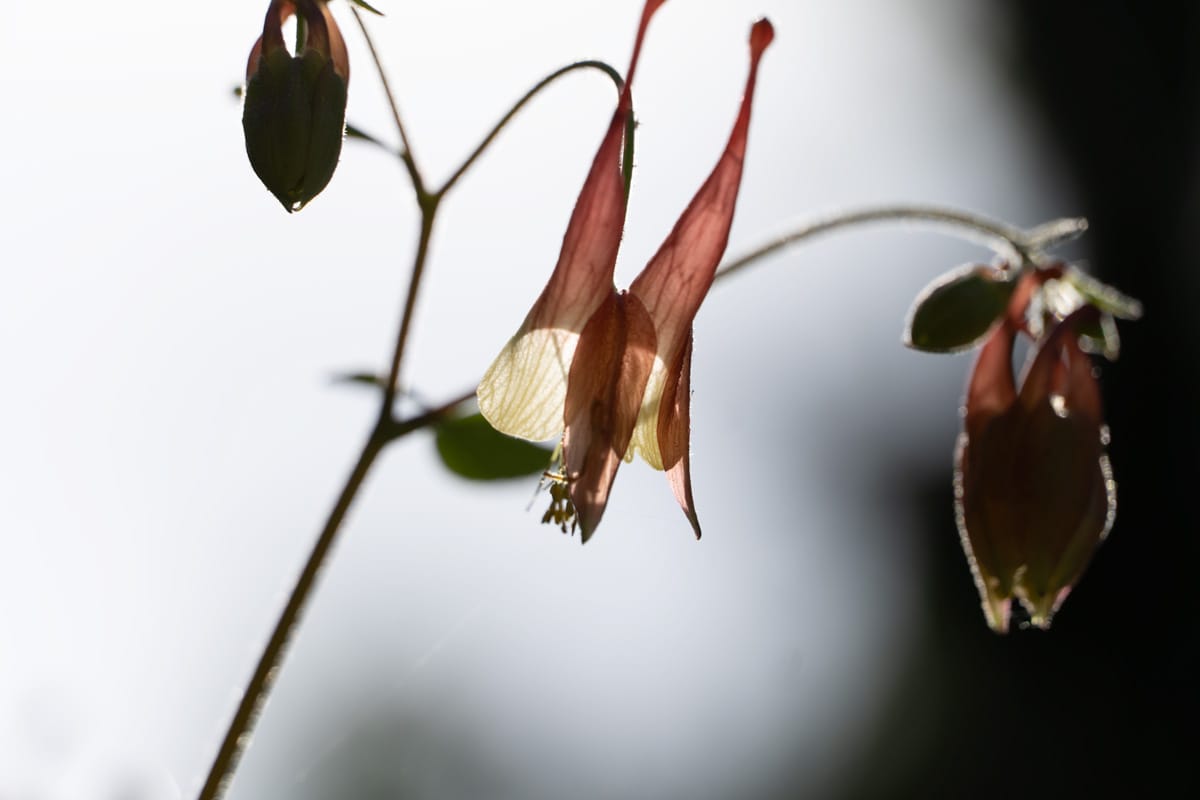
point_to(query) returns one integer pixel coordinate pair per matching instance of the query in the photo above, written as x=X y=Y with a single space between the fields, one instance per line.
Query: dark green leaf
x=353 y=132
x=473 y=449
x=957 y=309
x=361 y=378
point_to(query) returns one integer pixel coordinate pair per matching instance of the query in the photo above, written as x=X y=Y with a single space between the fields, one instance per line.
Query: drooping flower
x=1034 y=490
x=607 y=369
x=294 y=115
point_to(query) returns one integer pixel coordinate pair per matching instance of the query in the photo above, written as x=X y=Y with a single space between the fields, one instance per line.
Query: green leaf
x=353 y=132
x=957 y=309
x=1103 y=296
x=361 y=378
x=367 y=7
x=473 y=449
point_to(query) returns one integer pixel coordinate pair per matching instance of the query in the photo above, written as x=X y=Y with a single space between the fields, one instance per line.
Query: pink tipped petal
x=255 y=56
x=524 y=390
x=992 y=389
x=678 y=277
x=336 y=45
x=674 y=434
x=583 y=276
x=272 y=36
x=676 y=280
x=608 y=377
x=1043 y=375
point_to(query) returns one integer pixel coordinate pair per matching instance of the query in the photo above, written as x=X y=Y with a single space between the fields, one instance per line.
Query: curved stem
x=405 y=150
x=512 y=112
x=238 y=734
x=1005 y=239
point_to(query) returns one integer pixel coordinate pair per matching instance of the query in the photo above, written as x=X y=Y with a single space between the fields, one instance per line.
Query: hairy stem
x=1007 y=240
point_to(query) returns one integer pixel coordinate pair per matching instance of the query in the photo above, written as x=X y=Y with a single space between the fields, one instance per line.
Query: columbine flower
x=608 y=369
x=1034 y=491
x=295 y=108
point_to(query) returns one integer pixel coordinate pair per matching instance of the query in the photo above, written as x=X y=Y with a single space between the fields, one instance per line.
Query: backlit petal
x=674 y=433
x=607 y=379
x=678 y=277
x=523 y=391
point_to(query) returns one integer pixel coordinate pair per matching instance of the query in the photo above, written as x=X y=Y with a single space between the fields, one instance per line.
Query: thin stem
x=429 y=206
x=399 y=428
x=1003 y=238
x=238 y=735
x=512 y=112
x=406 y=154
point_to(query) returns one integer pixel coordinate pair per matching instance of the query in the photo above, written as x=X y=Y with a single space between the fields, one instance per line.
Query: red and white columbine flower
x=607 y=369
x=1034 y=491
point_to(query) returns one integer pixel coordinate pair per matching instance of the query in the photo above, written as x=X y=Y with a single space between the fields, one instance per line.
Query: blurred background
x=172 y=439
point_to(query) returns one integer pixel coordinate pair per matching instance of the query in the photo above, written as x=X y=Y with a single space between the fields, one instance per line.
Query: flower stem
x=429 y=207
x=406 y=154
x=537 y=88
x=387 y=429
x=238 y=735
x=1024 y=247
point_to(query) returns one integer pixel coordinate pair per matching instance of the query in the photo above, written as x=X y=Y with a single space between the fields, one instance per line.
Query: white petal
x=645 y=433
x=524 y=390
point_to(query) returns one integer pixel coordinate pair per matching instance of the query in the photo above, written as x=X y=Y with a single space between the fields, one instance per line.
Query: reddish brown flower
x=608 y=369
x=1034 y=491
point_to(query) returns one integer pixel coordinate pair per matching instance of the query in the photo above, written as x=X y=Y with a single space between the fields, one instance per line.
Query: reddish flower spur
x=607 y=369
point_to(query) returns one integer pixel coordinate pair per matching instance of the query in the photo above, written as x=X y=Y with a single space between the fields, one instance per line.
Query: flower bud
x=294 y=115
x=1035 y=492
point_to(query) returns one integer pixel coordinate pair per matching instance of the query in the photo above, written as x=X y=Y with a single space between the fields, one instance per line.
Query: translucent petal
x=524 y=390
x=645 y=433
x=608 y=377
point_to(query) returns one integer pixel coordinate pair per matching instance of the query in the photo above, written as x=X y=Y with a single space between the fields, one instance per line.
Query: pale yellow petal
x=523 y=391
x=645 y=433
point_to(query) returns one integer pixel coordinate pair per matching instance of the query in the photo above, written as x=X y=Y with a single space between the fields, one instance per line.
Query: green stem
x=238 y=734
x=1024 y=247
x=406 y=154
x=512 y=112
x=429 y=207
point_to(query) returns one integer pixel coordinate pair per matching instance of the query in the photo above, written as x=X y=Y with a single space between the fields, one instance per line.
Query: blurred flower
x=1034 y=491
x=294 y=115
x=608 y=369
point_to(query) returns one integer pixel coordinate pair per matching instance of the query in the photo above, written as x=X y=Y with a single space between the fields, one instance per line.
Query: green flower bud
x=294 y=115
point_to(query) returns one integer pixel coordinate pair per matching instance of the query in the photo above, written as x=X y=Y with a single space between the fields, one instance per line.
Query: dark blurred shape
x=1106 y=703
x=397 y=754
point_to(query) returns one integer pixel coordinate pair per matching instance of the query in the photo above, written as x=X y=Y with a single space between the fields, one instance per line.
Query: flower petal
x=606 y=383
x=674 y=434
x=583 y=277
x=678 y=277
x=992 y=390
x=674 y=283
x=523 y=391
